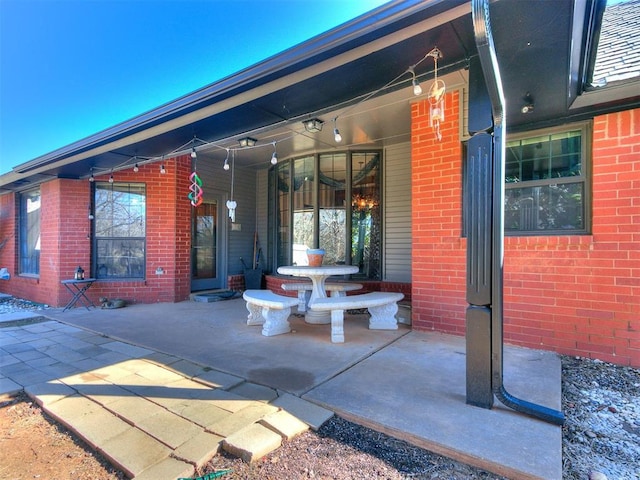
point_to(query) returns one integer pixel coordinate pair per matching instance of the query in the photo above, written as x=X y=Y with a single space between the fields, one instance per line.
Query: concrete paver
x=255 y=392
x=170 y=468
x=133 y=451
x=215 y=378
x=241 y=419
x=49 y=392
x=311 y=414
x=199 y=449
x=89 y=420
x=9 y=387
x=252 y=442
x=284 y=424
x=200 y=412
x=134 y=408
x=148 y=419
x=169 y=428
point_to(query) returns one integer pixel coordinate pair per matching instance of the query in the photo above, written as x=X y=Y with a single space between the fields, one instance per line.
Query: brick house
x=388 y=197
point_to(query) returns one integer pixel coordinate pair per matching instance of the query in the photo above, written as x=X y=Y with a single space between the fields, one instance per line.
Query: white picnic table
x=318 y=276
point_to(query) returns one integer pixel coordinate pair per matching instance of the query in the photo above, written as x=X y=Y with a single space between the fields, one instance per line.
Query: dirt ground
x=33 y=446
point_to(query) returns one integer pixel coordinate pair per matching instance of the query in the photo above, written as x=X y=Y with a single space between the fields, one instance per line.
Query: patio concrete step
x=153 y=416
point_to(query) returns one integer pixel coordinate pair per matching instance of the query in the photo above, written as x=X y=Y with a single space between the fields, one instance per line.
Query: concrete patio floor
x=408 y=384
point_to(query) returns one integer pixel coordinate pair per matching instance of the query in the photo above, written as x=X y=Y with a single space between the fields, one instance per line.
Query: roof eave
x=354 y=32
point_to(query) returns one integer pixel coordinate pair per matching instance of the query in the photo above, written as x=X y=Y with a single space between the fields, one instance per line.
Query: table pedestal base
x=317 y=318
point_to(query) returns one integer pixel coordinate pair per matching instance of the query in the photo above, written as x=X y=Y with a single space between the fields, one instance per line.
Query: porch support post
x=478 y=227
x=484 y=222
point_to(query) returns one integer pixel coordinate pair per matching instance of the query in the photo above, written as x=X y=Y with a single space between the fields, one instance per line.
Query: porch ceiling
x=329 y=77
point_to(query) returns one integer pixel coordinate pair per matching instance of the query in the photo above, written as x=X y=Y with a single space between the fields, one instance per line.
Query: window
x=546 y=183
x=119 y=230
x=30 y=232
x=331 y=201
x=332 y=211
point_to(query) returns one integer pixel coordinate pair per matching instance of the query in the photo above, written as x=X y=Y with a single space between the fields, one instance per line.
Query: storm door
x=205 y=246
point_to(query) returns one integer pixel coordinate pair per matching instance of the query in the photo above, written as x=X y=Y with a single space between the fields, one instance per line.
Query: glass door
x=205 y=251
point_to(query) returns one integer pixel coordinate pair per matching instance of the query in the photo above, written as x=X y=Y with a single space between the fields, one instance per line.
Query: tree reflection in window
x=545 y=183
x=340 y=212
x=119 y=230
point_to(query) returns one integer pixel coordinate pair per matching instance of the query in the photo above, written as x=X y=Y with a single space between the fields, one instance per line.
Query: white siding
x=262 y=213
x=397 y=213
x=241 y=242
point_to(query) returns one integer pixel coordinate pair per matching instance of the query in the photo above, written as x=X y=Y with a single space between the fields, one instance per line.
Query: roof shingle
x=618 y=54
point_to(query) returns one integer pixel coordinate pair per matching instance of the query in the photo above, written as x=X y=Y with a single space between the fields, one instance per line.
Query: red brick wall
x=65 y=243
x=8 y=237
x=438 y=251
x=577 y=295
x=168 y=236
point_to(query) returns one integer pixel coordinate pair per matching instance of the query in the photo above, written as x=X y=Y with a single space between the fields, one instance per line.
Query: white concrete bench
x=269 y=310
x=304 y=291
x=382 y=306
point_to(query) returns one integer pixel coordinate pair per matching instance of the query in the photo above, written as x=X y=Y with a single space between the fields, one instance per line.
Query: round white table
x=318 y=275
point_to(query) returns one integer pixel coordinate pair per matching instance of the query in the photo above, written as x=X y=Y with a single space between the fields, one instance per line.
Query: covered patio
x=408 y=384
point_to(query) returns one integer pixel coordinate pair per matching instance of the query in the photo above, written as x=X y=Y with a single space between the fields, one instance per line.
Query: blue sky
x=70 y=68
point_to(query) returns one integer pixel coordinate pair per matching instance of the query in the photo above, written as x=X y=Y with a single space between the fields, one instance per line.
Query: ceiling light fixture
x=274 y=157
x=528 y=104
x=136 y=168
x=92 y=178
x=162 y=169
x=313 y=125
x=247 y=142
x=193 y=152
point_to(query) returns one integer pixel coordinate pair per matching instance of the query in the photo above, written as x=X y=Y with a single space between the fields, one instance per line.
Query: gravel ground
x=601 y=436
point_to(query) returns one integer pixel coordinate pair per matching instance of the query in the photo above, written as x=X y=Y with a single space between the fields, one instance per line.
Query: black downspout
x=485 y=229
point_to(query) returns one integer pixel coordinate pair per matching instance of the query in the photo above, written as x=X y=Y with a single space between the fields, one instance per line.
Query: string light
x=313 y=125
x=226 y=161
x=231 y=203
x=417 y=89
x=336 y=133
x=111 y=178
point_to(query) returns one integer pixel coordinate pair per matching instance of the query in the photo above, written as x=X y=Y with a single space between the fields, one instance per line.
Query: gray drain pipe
x=484 y=205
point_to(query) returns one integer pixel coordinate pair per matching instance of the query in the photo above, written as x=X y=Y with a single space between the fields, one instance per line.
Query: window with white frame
x=29 y=233
x=119 y=230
